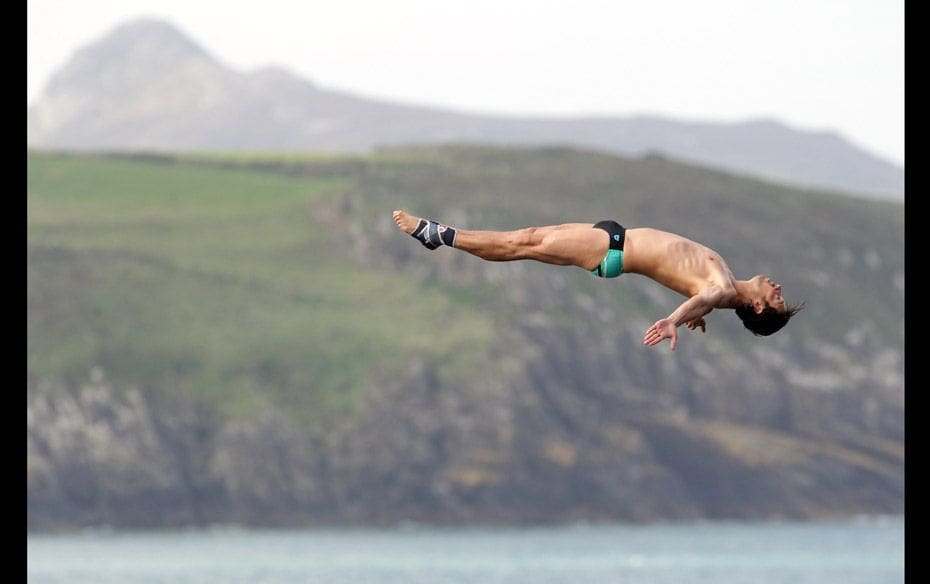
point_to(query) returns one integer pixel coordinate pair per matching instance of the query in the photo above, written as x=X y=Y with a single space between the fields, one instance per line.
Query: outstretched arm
x=690 y=311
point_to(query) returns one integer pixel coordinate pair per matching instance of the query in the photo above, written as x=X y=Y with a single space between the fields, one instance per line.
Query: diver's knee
x=524 y=238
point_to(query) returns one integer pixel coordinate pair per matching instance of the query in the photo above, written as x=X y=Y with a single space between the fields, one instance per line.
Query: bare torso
x=685 y=266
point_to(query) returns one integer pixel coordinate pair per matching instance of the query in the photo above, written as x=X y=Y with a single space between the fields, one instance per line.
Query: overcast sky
x=814 y=64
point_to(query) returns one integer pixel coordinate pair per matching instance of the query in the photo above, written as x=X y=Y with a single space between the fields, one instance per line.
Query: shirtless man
x=607 y=250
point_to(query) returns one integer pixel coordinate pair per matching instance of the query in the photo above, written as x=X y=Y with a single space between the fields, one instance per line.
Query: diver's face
x=771 y=292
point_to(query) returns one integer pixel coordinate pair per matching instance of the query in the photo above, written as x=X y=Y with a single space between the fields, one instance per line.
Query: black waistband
x=616 y=232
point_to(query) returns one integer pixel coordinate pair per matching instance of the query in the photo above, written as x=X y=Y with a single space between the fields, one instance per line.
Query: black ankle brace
x=432 y=234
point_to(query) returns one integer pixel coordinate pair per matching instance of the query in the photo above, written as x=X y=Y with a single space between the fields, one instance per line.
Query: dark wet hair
x=769 y=321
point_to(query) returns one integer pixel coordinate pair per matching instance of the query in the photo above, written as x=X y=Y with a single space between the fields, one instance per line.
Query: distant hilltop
x=146 y=86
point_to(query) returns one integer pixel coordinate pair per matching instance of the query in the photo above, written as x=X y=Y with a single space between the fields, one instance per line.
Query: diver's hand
x=694 y=324
x=661 y=330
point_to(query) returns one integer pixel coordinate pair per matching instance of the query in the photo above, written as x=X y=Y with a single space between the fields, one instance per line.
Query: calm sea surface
x=868 y=551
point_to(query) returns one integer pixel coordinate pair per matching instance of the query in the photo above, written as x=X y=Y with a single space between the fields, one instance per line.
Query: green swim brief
x=612 y=264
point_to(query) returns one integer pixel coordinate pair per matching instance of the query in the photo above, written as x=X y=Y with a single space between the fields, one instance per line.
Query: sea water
x=849 y=552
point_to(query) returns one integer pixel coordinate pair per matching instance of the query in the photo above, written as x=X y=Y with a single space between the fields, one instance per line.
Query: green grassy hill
x=216 y=281
x=257 y=287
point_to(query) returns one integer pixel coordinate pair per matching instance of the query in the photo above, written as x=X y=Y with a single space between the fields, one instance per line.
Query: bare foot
x=405 y=221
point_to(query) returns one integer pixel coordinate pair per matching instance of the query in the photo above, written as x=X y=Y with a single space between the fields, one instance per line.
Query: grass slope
x=219 y=282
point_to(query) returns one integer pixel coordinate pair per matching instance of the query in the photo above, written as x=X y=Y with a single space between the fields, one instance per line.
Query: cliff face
x=563 y=415
x=555 y=443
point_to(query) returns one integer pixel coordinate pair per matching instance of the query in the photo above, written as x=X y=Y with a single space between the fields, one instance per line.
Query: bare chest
x=682 y=265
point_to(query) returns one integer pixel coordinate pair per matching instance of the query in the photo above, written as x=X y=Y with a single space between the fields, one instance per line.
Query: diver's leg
x=575 y=244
